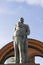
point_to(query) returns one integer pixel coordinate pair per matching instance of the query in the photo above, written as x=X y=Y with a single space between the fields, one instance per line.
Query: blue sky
x=12 y=10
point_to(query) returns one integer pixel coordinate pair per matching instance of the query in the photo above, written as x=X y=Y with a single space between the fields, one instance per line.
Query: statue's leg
x=21 y=52
x=17 y=55
x=26 y=52
x=16 y=52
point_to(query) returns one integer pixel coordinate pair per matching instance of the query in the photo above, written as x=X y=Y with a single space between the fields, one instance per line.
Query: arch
x=35 y=48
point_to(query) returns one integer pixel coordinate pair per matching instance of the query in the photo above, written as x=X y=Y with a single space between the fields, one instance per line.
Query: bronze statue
x=21 y=31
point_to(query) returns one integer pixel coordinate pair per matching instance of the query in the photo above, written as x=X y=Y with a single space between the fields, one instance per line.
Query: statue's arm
x=27 y=30
x=14 y=31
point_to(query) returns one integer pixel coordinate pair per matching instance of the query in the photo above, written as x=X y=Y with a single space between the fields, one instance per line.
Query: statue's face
x=21 y=20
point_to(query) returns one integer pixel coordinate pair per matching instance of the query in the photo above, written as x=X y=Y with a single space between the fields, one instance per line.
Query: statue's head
x=21 y=20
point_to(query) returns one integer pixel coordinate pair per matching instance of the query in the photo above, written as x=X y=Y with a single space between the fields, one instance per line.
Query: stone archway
x=35 y=48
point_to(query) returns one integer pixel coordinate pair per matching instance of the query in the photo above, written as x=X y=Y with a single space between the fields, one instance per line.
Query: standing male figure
x=20 y=41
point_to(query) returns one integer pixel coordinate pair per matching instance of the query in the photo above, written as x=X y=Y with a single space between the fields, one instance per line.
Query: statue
x=21 y=31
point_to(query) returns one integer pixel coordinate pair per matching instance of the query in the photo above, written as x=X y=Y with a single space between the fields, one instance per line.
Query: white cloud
x=35 y=2
x=31 y=2
x=4 y=9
